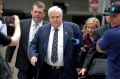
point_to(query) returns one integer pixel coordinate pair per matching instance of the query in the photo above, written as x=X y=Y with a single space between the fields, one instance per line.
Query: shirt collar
x=33 y=23
x=59 y=28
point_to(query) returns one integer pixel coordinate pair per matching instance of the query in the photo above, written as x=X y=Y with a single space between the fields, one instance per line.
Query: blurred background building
x=74 y=10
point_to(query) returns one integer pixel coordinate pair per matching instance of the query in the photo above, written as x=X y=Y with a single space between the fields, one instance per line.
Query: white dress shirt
x=3 y=28
x=33 y=27
x=60 y=47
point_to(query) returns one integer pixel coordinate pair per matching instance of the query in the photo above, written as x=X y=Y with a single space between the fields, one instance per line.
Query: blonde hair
x=91 y=20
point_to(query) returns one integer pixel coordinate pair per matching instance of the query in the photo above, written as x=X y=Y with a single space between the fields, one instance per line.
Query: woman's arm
x=16 y=36
x=12 y=41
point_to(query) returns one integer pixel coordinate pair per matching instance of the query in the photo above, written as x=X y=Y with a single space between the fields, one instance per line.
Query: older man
x=110 y=42
x=55 y=48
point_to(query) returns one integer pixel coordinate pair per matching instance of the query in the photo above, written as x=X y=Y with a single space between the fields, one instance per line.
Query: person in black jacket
x=11 y=41
x=92 y=51
x=28 y=27
x=6 y=40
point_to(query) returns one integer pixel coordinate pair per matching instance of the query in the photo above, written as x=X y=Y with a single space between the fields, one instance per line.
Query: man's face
x=37 y=13
x=114 y=20
x=1 y=10
x=55 y=19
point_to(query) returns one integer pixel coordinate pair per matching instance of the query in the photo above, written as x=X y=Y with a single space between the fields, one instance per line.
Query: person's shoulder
x=70 y=23
x=102 y=27
x=25 y=20
x=44 y=28
x=47 y=25
x=114 y=30
x=45 y=22
x=72 y=26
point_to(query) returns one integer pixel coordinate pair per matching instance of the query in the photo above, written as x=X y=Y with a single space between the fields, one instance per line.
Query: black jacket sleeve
x=4 y=40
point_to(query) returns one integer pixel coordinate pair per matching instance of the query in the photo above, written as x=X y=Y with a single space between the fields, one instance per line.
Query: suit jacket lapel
x=47 y=33
x=45 y=22
x=65 y=32
x=28 y=30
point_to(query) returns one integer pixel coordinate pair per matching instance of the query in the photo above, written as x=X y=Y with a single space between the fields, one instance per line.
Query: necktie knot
x=56 y=29
x=36 y=25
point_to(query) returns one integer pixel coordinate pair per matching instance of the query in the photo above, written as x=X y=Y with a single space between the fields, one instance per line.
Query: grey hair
x=56 y=9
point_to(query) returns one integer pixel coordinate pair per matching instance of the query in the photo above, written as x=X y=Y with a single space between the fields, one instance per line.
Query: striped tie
x=34 y=30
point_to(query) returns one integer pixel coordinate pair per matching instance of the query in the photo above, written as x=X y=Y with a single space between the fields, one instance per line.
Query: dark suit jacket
x=92 y=51
x=22 y=60
x=38 y=47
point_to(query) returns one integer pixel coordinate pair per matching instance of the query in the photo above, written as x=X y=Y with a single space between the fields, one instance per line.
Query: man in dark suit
x=25 y=69
x=56 y=59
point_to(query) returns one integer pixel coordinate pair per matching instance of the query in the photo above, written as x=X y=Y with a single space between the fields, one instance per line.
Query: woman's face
x=91 y=28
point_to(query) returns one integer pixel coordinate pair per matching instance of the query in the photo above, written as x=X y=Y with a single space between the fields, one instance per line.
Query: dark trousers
x=29 y=74
x=95 y=77
x=5 y=72
x=48 y=72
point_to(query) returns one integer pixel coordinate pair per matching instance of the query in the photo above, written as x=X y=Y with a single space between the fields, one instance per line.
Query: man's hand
x=33 y=60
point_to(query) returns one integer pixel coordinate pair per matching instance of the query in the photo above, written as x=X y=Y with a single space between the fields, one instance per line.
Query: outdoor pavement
x=12 y=63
